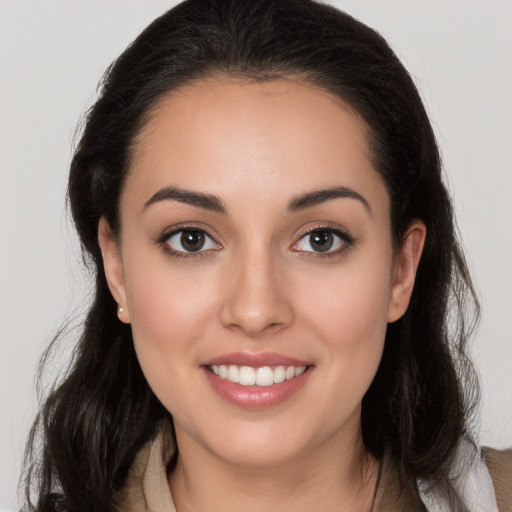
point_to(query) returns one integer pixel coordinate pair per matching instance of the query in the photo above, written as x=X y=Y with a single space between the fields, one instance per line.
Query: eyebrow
x=316 y=197
x=213 y=203
x=199 y=199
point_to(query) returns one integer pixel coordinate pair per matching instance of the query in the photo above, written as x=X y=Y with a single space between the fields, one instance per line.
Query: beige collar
x=146 y=488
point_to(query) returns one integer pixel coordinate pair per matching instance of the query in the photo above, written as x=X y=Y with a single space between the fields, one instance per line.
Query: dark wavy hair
x=98 y=415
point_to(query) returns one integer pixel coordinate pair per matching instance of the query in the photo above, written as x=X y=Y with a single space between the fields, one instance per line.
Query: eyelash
x=167 y=235
x=346 y=238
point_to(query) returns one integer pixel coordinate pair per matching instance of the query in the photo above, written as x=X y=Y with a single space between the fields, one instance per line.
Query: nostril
x=254 y=310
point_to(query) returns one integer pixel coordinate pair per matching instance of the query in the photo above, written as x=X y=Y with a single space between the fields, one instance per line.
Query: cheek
x=169 y=312
x=349 y=314
x=349 y=305
x=161 y=304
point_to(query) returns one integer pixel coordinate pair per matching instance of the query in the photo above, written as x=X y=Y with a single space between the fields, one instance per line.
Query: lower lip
x=256 y=396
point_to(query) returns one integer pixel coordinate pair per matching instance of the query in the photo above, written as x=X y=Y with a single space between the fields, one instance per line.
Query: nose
x=256 y=303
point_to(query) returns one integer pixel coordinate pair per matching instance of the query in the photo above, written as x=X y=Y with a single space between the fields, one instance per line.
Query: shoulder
x=499 y=463
x=481 y=478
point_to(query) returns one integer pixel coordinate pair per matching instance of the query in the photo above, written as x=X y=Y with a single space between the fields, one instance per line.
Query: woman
x=260 y=191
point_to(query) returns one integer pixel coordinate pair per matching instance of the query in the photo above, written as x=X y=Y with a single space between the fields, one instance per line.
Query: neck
x=336 y=476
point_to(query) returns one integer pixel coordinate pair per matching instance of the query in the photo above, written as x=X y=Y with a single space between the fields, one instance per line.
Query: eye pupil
x=321 y=241
x=192 y=240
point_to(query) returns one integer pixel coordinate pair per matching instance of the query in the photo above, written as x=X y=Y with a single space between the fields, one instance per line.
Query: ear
x=407 y=259
x=113 y=265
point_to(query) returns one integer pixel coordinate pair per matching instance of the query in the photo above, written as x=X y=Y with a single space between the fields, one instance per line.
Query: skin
x=258 y=286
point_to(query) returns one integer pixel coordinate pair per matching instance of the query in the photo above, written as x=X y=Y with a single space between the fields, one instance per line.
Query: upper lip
x=255 y=360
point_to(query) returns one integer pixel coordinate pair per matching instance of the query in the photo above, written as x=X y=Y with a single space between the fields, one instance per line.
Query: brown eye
x=190 y=240
x=323 y=240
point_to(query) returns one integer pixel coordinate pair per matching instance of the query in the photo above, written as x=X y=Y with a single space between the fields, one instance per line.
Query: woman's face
x=256 y=267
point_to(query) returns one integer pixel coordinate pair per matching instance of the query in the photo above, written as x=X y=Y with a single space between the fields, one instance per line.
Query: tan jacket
x=147 y=489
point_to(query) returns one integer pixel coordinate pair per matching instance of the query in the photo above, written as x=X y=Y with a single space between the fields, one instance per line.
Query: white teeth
x=233 y=373
x=299 y=370
x=279 y=374
x=263 y=376
x=247 y=376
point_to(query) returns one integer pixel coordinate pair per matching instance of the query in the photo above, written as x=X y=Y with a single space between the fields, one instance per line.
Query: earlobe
x=407 y=259
x=113 y=266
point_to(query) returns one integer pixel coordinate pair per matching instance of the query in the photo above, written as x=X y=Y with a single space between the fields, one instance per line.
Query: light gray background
x=52 y=54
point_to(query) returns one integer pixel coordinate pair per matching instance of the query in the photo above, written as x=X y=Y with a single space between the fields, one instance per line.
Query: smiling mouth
x=264 y=376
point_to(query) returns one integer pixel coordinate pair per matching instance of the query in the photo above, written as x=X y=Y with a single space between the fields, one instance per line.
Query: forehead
x=224 y=136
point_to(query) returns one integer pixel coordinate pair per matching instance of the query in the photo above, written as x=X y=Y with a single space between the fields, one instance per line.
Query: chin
x=261 y=454
x=263 y=444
